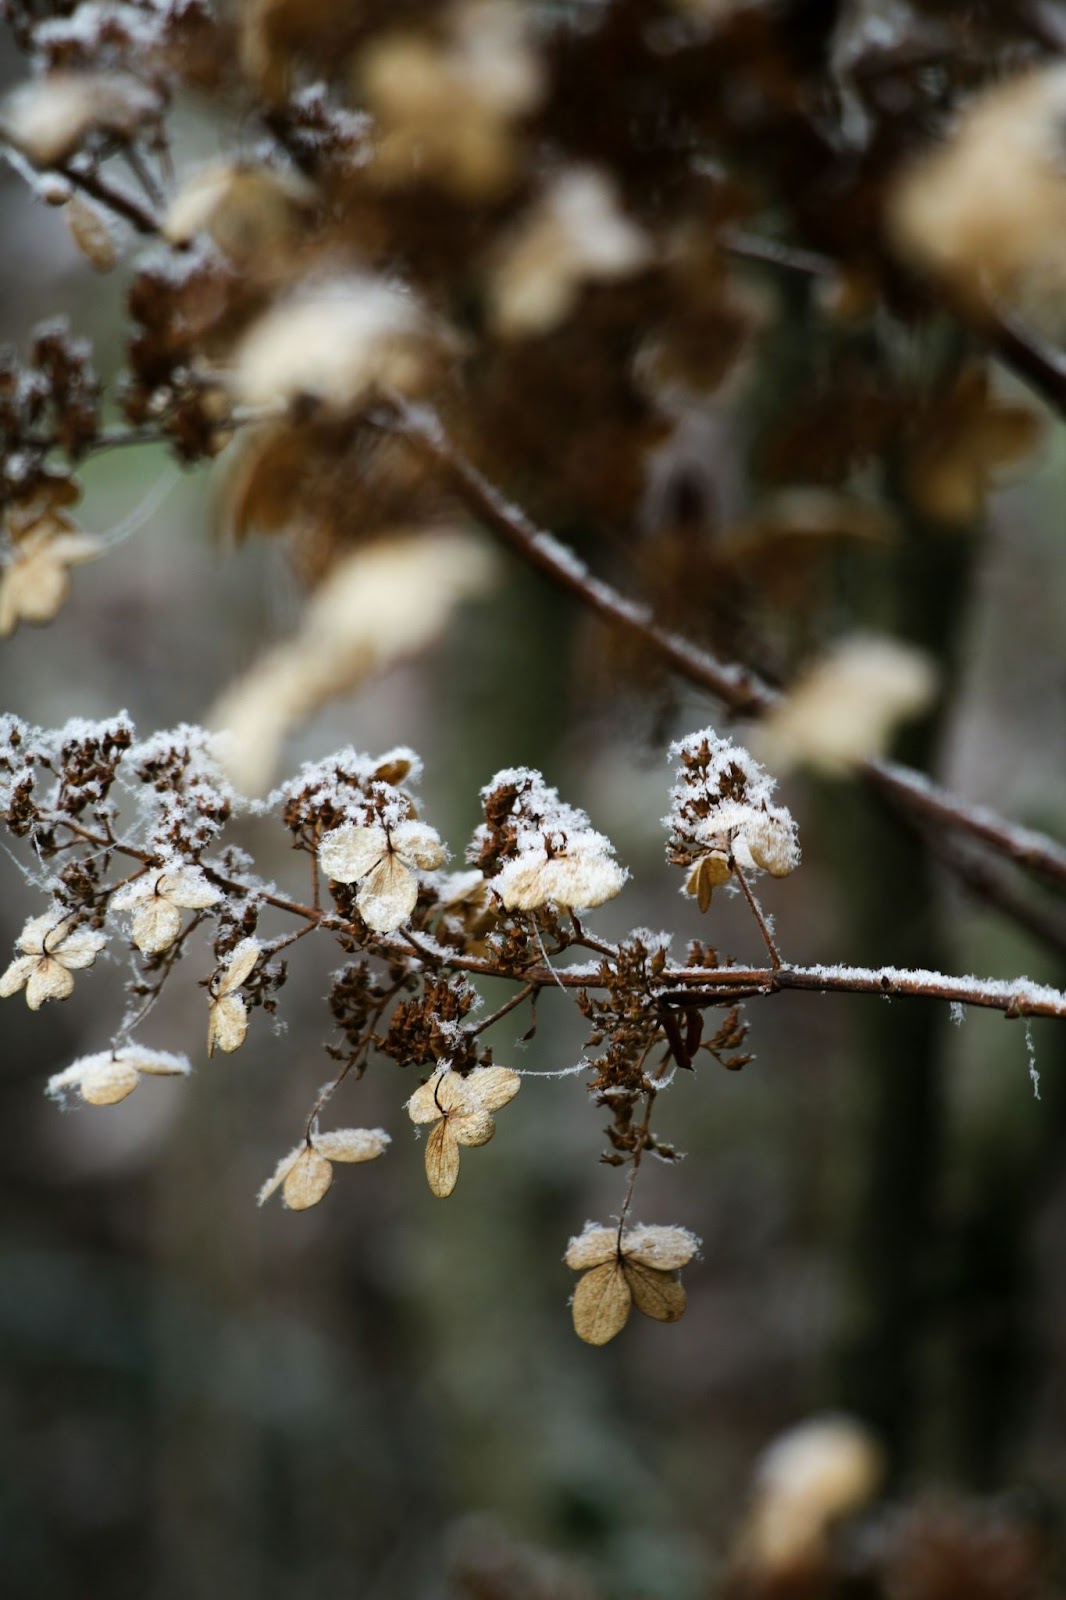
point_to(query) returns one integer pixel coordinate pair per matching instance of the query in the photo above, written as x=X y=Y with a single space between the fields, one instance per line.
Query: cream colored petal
x=388 y=896
x=601 y=1304
x=240 y=965
x=591 y=1248
x=659 y=1247
x=157 y=1063
x=348 y=854
x=418 y=845
x=657 y=1294
x=38 y=586
x=156 y=926
x=472 y=1127
x=583 y=881
x=442 y=1161
x=280 y=1173
x=489 y=1088
x=134 y=894
x=78 y=949
x=17 y=975
x=352 y=1144
x=227 y=1024
x=108 y=1082
x=47 y=981
x=521 y=884
x=308 y=1180
x=423 y=1105
x=33 y=935
x=189 y=889
x=74 y=548
x=9 y=609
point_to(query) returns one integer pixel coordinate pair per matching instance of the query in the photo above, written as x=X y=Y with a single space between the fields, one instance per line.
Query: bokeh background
x=384 y=1397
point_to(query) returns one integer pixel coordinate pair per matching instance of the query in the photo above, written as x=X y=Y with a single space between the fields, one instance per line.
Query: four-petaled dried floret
x=227 y=1022
x=623 y=1268
x=157 y=900
x=304 y=1176
x=109 y=1076
x=382 y=860
x=35 y=580
x=55 y=948
x=462 y=1109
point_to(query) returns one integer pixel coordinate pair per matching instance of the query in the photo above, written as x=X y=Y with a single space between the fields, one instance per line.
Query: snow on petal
x=239 y=965
x=307 y=1181
x=77 y=949
x=227 y=1024
x=48 y=981
x=157 y=1063
x=189 y=889
x=592 y=1247
x=17 y=975
x=280 y=1173
x=388 y=896
x=33 y=935
x=418 y=845
x=664 y=1248
x=489 y=1088
x=349 y=853
x=352 y=1144
x=107 y=1082
x=156 y=926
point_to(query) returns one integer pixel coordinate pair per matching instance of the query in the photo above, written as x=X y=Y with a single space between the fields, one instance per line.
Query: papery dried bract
x=464 y=1106
x=35 y=580
x=55 y=948
x=383 y=861
x=48 y=118
x=637 y=1266
x=158 y=900
x=305 y=1175
x=227 y=1025
x=601 y=1303
x=108 y=1077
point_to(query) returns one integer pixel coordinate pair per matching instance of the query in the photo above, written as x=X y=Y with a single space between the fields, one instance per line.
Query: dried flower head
x=545 y=852
x=50 y=117
x=336 y=343
x=626 y=1267
x=227 y=1023
x=109 y=1076
x=250 y=212
x=576 y=234
x=305 y=1175
x=462 y=1110
x=35 y=579
x=55 y=948
x=383 y=860
x=722 y=816
x=845 y=708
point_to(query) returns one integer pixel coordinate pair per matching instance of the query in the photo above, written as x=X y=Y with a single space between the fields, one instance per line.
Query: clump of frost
x=543 y=849
x=722 y=815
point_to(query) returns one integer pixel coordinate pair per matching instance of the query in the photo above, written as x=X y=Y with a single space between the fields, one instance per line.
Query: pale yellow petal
x=657 y=1294
x=388 y=896
x=601 y=1304
x=240 y=965
x=77 y=949
x=189 y=889
x=418 y=845
x=472 y=1127
x=489 y=1088
x=308 y=1181
x=156 y=926
x=48 y=981
x=16 y=975
x=592 y=1247
x=423 y=1105
x=33 y=935
x=660 y=1247
x=349 y=853
x=442 y=1161
x=227 y=1024
x=352 y=1144
x=108 y=1082
x=280 y=1173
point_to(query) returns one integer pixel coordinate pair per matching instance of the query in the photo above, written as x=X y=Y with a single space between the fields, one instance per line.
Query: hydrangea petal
x=592 y=1247
x=418 y=845
x=442 y=1160
x=78 y=949
x=657 y=1294
x=601 y=1303
x=227 y=1024
x=189 y=889
x=388 y=896
x=489 y=1088
x=239 y=966
x=352 y=1144
x=17 y=975
x=308 y=1180
x=664 y=1248
x=156 y=926
x=108 y=1082
x=349 y=853
x=472 y=1127
x=48 y=981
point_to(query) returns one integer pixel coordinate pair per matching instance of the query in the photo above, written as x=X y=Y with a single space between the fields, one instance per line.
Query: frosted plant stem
x=757 y=913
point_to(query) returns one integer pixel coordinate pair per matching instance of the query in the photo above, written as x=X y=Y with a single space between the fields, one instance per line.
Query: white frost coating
x=110 y=1075
x=1015 y=995
x=556 y=854
x=342 y=781
x=722 y=803
x=1034 y=1076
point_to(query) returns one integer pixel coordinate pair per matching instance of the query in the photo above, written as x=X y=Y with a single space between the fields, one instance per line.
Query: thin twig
x=757 y=913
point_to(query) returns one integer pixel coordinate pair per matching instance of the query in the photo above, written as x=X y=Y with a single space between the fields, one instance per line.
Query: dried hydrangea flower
x=581 y=875
x=49 y=117
x=227 y=1022
x=157 y=901
x=805 y=1482
x=383 y=862
x=844 y=709
x=304 y=1176
x=55 y=948
x=722 y=817
x=462 y=1109
x=637 y=1268
x=109 y=1076
x=35 y=580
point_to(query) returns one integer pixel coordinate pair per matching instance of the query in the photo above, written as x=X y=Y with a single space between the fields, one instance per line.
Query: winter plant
x=434 y=276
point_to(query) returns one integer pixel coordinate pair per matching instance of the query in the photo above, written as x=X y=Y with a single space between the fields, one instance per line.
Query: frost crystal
x=722 y=816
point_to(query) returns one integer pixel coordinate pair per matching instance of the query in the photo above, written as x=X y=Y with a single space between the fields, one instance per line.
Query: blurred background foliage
x=384 y=1397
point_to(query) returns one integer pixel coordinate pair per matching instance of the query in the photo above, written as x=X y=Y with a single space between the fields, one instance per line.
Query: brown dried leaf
x=601 y=1303
x=658 y=1294
x=308 y=1180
